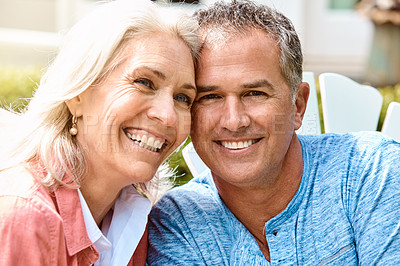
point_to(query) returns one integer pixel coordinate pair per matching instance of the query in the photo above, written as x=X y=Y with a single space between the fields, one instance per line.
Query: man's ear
x=303 y=91
x=75 y=106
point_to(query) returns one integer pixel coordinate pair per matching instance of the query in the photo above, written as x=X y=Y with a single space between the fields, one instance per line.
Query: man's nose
x=234 y=115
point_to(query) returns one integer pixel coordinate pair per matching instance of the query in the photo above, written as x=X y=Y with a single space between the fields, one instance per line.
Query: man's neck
x=254 y=205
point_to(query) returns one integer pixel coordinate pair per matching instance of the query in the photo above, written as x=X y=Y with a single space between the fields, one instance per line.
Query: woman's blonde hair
x=90 y=51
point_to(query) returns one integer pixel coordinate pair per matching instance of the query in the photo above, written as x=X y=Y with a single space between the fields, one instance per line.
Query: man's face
x=243 y=117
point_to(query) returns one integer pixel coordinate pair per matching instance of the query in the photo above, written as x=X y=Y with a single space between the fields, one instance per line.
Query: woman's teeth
x=233 y=145
x=146 y=142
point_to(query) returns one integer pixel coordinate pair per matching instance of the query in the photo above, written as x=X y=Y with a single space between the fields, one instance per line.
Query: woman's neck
x=99 y=199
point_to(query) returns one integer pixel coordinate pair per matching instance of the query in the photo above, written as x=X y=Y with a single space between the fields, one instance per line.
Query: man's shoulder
x=367 y=144
x=190 y=225
x=199 y=187
x=354 y=143
x=347 y=155
x=370 y=139
x=200 y=192
x=361 y=136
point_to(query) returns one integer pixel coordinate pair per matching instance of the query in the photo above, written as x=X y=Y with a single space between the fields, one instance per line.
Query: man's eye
x=256 y=93
x=184 y=98
x=144 y=82
x=209 y=97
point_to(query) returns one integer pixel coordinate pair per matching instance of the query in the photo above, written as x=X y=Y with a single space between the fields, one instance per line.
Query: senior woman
x=109 y=110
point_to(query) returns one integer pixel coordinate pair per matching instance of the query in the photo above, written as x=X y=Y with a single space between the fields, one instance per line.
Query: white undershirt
x=122 y=227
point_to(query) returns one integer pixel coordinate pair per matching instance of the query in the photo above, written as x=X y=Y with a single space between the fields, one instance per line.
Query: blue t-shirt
x=345 y=212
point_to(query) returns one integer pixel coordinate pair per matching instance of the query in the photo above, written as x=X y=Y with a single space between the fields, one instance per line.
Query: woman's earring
x=73 y=130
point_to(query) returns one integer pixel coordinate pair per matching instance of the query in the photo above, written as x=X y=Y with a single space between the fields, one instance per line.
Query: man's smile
x=236 y=145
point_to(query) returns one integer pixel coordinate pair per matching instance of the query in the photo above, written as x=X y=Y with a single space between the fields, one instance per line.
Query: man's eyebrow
x=249 y=85
x=206 y=88
x=258 y=84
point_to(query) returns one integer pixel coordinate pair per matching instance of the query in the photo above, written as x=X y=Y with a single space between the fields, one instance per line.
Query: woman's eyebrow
x=162 y=76
x=189 y=86
x=156 y=72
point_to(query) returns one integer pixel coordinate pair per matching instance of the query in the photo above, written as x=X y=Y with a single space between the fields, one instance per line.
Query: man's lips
x=236 y=145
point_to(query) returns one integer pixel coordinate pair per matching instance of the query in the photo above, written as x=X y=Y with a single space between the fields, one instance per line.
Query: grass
x=18 y=84
x=390 y=94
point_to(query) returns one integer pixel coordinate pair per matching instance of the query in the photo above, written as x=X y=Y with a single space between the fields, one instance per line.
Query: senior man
x=273 y=197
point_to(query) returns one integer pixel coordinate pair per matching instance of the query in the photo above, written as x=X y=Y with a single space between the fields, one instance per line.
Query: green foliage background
x=17 y=86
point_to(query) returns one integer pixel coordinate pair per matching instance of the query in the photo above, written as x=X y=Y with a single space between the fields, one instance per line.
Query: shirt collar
x=122 y=228
x=96 y=236
x=70 y=210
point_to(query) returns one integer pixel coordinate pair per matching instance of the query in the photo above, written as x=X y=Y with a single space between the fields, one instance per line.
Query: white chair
x=193 y=161
x=391 y=124
x=348 y=106
x=311 y=125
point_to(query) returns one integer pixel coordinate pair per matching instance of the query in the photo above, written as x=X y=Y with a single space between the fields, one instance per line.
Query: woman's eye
x=144 y=82
x=184 y=98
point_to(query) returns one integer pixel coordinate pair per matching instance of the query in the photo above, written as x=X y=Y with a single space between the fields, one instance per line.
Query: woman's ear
x=303 y=91
x=75 y=106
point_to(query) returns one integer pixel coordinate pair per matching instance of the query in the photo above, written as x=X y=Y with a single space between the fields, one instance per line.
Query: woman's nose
x=163 y=109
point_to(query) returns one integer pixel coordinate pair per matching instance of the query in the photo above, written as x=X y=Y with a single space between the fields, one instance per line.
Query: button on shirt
x=122 y=227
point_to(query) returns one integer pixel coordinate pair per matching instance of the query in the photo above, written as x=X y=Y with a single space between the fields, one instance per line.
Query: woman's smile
x=146 y=140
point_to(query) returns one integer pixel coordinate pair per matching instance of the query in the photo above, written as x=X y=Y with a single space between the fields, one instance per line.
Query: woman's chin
x=143 y=173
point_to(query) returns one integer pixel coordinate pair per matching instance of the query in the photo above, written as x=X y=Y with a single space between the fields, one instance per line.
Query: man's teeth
x=146 y=142
x=237 y=145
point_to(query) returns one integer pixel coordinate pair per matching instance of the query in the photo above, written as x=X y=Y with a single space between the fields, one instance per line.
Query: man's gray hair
x=226 y=20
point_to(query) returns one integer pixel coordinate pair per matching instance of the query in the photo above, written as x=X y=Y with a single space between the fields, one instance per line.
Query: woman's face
x=135 y=118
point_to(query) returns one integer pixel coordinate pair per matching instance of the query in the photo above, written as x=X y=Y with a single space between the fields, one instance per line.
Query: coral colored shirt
x=42 y=228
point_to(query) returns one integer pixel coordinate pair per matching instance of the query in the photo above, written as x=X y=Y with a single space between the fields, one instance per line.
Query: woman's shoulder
x=21 y=194
x=29 y=222
x=17 y=181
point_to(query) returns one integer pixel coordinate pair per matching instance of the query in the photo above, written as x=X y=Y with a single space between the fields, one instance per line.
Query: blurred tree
x=384 y=60
x=342 y=4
